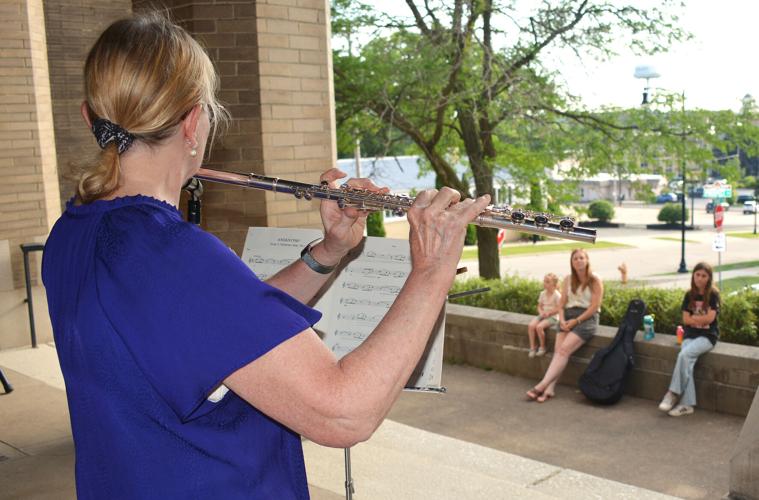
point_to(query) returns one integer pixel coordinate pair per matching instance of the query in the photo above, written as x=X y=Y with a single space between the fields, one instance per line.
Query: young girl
x=700 y=309
x=582 y=293
x=548 y=314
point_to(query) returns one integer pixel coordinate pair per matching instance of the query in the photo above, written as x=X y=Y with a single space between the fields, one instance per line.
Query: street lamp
x=647 y=72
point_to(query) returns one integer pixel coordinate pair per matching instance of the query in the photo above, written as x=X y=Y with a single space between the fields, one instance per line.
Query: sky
x=714 y=69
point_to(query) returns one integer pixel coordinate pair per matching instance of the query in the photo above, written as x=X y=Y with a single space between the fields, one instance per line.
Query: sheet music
x=359 y=295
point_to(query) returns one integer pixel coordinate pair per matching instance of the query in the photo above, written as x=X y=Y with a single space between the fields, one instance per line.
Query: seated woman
x=582 y=292
x=700 y=310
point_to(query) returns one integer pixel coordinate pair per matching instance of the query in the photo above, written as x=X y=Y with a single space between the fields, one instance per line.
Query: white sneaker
x=531 y=354
x=668 y=402
x=541 y=352
x=681 y=410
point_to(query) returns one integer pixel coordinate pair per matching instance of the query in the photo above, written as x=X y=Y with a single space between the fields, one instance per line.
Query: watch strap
x=311 y=262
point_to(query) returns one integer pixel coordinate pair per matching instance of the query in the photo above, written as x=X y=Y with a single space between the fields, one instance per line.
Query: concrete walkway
x=482 y=440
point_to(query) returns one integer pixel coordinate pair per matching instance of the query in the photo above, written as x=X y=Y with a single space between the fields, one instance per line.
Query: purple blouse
x=150 y=314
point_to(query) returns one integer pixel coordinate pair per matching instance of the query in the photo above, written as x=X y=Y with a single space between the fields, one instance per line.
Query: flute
x=494 y=216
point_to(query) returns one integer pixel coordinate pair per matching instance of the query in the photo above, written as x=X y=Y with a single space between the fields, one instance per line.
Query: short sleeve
x=714 y=301
x=186 y=307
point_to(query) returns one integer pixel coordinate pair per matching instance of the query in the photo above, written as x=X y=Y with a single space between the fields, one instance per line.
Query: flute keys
x=566 y=224
x=541 y=220
x=517 y=216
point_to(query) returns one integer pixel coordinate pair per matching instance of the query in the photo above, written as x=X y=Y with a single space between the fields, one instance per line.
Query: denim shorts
x=587 y=328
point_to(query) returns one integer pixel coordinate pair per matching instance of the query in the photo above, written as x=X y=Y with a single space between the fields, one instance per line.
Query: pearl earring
x=193 y=152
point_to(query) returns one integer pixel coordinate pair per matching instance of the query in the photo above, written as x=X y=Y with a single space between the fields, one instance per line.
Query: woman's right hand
x=438 y=221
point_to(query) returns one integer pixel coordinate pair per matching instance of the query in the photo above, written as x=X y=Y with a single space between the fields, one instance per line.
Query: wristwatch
x=316 y=266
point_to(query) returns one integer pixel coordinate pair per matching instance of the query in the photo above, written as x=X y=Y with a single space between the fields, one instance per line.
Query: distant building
x=603 y=186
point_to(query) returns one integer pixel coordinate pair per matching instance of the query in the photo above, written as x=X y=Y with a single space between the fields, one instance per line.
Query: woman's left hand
x=567 y=325
x=343 y=228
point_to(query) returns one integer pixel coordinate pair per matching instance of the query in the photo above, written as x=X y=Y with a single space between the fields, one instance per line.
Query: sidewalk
x=481 y=440
x=648 y=257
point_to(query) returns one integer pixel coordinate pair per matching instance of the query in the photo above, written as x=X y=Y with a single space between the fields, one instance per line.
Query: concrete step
x=403 y=462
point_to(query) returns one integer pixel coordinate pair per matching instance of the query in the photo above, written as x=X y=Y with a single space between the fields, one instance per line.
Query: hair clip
x=106 y=132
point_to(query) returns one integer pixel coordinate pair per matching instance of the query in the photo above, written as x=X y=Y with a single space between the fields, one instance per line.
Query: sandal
x=534 y=394
x=544 y=397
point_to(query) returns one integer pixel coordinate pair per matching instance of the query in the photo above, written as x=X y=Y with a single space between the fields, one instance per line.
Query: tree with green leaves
x=468 y=75
x=468 y=79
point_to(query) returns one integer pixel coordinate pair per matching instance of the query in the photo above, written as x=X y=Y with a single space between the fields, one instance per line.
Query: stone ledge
x=726 y=377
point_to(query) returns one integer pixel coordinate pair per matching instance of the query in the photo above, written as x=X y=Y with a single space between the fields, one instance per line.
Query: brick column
x=297 y=107
x=228 y=32
x=29 y=201
x=274 y=60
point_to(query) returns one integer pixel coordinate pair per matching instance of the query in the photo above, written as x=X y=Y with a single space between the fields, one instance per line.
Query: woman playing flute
x=186 y=376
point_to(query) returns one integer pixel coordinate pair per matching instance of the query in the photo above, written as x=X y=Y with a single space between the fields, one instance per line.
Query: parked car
x=666 y=198
x=741 y=199
x=749 y=207
x=710 y=206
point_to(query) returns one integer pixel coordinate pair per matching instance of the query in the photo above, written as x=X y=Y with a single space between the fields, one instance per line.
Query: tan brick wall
x=72 y=26
x=29 y=200
x=273 y=58
x=297 y=108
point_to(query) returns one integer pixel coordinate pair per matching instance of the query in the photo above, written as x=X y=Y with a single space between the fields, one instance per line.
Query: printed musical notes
x=364 y=288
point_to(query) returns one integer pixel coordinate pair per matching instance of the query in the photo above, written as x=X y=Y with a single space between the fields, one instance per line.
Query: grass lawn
x=725 y=267
x=744 y=235
x=737 y=265
x=732 y=284
x=670 y=238
x=508 y=250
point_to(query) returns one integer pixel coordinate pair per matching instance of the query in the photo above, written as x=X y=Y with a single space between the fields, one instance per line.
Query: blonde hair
x=554 y=279
x=144 y=74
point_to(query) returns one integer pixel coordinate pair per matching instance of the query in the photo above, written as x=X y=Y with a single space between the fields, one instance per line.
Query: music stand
x=4 y=381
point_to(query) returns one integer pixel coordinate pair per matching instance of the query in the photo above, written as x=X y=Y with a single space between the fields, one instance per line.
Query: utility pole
x=358 y=156
x=683 y=268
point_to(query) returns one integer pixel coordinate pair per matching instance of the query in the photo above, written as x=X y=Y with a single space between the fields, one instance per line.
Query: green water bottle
x=648 y=327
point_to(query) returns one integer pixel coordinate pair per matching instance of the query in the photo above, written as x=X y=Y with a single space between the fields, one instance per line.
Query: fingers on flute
x=332 y=175
x=424 y=198
x=363 y=183
x=471 y=208
x=445 y=198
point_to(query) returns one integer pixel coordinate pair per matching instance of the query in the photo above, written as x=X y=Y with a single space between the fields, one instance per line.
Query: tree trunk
x=489 y=260
x=487 y=255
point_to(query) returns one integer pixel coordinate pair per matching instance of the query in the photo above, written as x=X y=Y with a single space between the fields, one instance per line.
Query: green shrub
x=664 y=304
x=375 y=224
x=602 y=210
x=738 y=319
x=513 y=293
x=471 y=235
x=671 y=213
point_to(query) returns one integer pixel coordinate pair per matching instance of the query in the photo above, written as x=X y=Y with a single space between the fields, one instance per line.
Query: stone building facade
x=274 y=62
